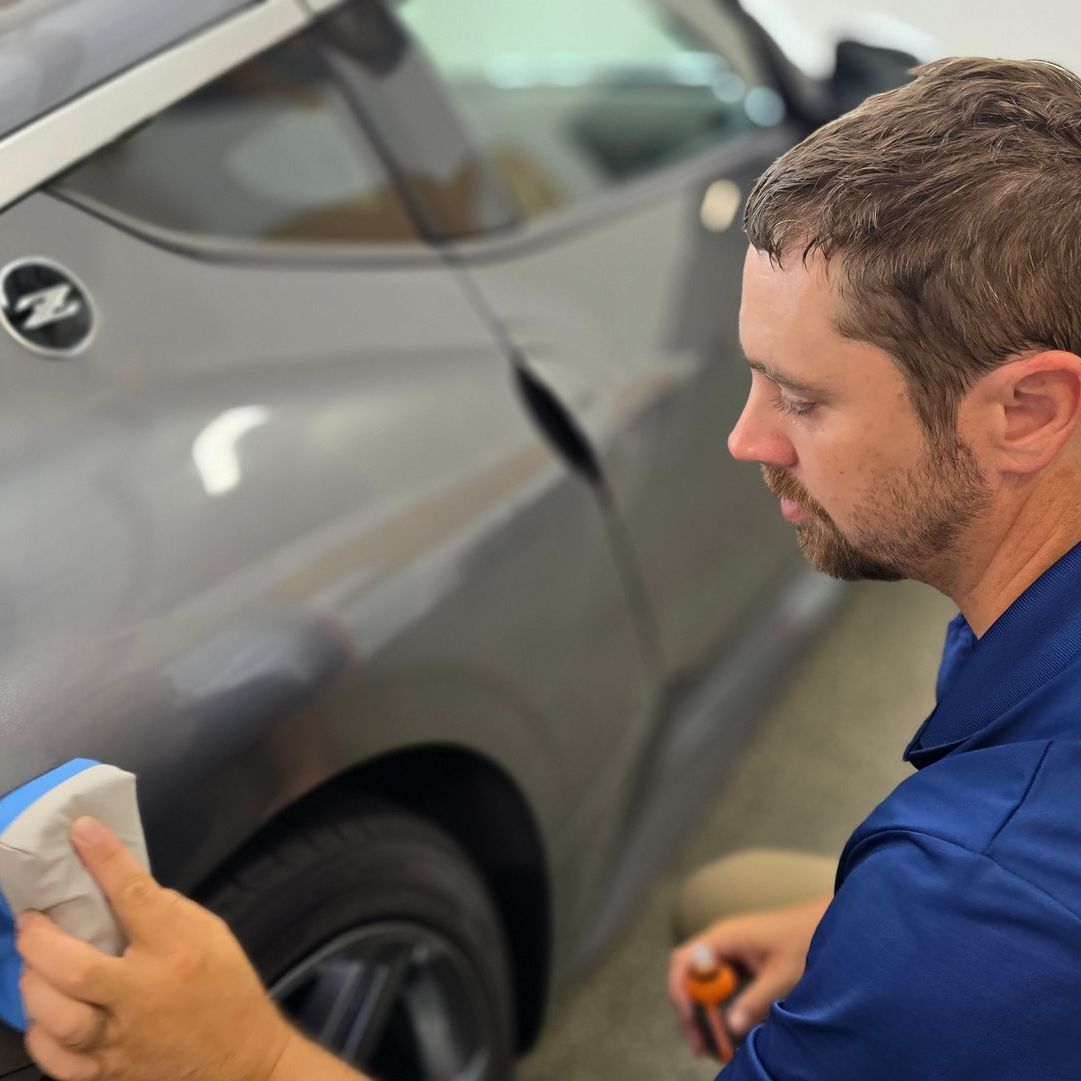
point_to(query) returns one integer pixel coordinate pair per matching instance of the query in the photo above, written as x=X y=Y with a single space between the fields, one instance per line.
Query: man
x=912 y=320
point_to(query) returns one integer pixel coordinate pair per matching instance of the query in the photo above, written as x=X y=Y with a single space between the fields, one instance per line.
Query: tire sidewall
x=380 y=867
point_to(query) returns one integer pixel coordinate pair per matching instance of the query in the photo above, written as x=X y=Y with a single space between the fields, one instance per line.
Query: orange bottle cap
x=709 y=982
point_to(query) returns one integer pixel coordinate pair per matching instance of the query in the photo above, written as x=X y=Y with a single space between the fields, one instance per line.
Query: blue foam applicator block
x=26 y=884
x=12 y=806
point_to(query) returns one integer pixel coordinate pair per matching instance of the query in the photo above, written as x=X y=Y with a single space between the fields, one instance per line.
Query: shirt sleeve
x=933 y=963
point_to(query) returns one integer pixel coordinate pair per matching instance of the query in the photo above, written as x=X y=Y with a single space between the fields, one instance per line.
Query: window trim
x=318 y=7
x=238 y=251
x=38 y=152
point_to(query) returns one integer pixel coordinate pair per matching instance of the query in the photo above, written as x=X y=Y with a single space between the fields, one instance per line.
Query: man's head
x=912 y=315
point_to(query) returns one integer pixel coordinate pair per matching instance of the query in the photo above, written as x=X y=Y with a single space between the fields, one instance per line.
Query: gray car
x=367 y=369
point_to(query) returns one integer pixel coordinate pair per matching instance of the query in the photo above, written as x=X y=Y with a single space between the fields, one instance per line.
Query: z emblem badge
x=46 y=307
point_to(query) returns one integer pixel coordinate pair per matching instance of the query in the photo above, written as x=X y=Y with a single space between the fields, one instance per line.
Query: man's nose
x=755 y=439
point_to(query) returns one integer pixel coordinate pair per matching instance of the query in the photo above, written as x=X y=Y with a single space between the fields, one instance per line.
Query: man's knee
x=748 y=881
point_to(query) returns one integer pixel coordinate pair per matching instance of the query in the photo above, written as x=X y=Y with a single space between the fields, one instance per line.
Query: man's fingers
x=78 y=1026
x=134 y=896
x=678 y=967
x=57 y=1061
x=69 y=964
x=694 y=1036
x=751 y=1006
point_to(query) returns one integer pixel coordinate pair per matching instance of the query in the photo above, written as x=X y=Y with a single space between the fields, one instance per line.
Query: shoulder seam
x=1076 y=916
x=1020 y=803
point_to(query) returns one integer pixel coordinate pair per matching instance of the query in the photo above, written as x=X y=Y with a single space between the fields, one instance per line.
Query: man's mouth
x=791 y=511
x=796 y=505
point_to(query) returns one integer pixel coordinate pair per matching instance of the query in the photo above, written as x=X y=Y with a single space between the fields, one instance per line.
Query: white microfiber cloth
x=40 y=870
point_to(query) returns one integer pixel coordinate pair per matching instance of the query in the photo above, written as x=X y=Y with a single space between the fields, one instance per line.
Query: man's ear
x=1033 y=406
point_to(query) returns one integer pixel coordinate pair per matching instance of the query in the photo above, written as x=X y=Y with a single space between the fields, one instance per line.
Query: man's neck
x=1010 y=554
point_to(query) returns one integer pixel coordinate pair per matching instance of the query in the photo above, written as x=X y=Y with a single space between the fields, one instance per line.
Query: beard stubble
x=908 y=527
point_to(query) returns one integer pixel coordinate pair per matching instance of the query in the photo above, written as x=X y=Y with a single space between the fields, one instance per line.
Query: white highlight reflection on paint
x=214 y=449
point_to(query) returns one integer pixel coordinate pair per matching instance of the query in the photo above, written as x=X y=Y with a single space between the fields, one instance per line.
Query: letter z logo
x=46 y=308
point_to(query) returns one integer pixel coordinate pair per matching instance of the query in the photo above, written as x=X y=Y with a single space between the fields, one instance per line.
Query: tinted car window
x=569 y=98
x=269 y=152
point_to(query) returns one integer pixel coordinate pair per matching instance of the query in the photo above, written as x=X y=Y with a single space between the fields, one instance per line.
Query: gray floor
x=825 y=754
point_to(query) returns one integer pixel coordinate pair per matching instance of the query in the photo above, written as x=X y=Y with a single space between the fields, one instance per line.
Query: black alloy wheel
x=395 y=999
x=377 y=936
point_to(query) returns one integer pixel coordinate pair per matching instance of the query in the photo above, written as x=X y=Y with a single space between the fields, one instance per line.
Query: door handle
x=556 y=421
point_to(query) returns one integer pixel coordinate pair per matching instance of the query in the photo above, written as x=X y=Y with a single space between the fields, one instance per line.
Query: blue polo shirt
x=952 y=948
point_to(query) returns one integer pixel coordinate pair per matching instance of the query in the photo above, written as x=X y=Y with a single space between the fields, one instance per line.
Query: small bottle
x=710 y=984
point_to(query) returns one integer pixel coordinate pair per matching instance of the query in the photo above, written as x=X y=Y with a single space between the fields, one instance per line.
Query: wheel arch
x=476 y=803
x=481 y=807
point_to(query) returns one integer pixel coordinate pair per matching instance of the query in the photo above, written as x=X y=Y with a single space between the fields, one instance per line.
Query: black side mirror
x=863 y=69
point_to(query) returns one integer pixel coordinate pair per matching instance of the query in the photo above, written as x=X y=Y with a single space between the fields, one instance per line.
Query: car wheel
x=375 y=934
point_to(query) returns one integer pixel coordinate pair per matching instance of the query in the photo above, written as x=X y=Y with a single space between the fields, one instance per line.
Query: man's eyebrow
x=786 y=381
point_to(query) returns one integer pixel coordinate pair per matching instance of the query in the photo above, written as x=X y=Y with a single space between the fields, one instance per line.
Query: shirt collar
x=1033 y=641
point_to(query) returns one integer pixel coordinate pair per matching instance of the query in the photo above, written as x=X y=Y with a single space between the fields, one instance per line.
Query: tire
x=375 y=933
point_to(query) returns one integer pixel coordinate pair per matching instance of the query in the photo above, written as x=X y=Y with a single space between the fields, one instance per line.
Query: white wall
x=1020 y=29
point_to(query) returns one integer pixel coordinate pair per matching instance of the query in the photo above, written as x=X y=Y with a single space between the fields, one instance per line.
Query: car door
x=628 y=142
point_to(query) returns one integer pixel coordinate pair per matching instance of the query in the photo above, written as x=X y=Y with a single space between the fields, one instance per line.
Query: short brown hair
x=954 y=203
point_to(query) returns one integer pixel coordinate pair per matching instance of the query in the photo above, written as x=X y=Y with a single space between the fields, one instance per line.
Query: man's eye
x=793 y=406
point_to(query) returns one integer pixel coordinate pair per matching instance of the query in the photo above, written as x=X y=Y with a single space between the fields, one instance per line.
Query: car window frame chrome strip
x=36 y=153
x=318 y=7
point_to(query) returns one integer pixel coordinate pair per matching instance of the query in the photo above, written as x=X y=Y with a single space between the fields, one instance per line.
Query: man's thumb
x=127 y=885
x=93 y=840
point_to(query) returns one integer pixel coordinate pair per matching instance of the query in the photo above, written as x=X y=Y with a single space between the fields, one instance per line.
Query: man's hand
x=771 y=946
x=182 y=1004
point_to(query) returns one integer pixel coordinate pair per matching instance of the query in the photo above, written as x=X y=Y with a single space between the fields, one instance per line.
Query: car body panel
x=373 y=549
x=631 y=316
